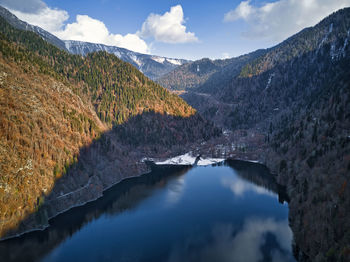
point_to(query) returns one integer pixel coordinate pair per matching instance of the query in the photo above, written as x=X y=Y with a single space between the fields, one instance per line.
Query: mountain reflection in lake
x=230 y=212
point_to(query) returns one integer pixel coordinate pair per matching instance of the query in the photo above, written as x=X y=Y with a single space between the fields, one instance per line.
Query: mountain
x=254 y=87
x=205 y=72
x=63 y=123
x=152 y=66
x=297 y=95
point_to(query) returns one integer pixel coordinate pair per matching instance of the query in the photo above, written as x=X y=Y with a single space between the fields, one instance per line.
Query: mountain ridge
x=152 y=66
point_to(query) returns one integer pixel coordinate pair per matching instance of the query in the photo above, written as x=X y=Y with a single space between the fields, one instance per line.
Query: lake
x=234 y=211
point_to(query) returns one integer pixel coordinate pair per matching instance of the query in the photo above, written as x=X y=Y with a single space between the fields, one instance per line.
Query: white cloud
x=225 y=55
x=168 y=28
x=243 y=10
x=281 y=19
x=92 y=30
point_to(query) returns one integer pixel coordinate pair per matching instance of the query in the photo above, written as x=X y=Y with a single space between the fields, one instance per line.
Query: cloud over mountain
x=92 y=30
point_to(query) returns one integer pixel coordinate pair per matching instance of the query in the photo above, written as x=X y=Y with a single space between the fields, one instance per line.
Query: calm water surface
x=230 y=212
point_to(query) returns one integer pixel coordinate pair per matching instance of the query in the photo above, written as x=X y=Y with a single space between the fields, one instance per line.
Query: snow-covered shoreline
x=188 y=159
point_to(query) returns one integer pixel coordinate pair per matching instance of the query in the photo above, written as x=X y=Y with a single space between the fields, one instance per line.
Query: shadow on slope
x=119 y=198
x=114 y=156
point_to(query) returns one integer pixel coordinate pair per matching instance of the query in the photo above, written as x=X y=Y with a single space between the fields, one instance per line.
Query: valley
x=78 y=118
x=295 y=95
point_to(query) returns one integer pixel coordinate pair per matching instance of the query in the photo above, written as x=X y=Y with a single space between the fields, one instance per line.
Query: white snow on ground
x=67 y=44
x=117 y=54
x=269 y=81
x=209 y=161
x=174 y=61
x=158 y=59
x=340 y=52
x=188 y=159
x=325 y=37
x=135 y=59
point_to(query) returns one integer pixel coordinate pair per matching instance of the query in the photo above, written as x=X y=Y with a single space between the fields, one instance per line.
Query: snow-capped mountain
x=151 y=65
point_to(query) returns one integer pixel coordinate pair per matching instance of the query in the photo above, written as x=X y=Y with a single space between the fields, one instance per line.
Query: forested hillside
x=116 y=88
x=59 y=120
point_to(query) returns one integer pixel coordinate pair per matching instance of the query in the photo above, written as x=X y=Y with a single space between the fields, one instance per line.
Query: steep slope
x=43 y=125
x=290 y=74
x=310 y=148
x=61 y=143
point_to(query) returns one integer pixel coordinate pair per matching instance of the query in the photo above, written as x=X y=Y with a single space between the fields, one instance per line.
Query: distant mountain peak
x=151 y=65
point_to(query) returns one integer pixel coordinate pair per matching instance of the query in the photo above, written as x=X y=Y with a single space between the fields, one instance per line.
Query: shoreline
x=44 y=227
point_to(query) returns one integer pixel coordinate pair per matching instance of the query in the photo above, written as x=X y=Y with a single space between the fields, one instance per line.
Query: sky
x=176 y=28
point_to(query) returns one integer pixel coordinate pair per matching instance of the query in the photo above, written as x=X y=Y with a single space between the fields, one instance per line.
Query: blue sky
x=204 y=18
x=182 y=29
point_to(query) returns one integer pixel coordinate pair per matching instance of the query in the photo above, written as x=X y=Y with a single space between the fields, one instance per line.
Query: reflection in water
x=260 y=178
x=240 y=188
x=176 y=189
x=218 y=213
x=245 y=244
x=123 y=196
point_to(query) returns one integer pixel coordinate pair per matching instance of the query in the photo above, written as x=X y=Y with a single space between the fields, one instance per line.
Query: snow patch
x=209 y=161
x=269 y=81
x=337 y=53
x=333 y=54
x=325 y=37
x=68 y=45
x=158 y=59
x=330 y=28
x=345 y=44
x=188 y=159
x=174 y=61
x=135 y=59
